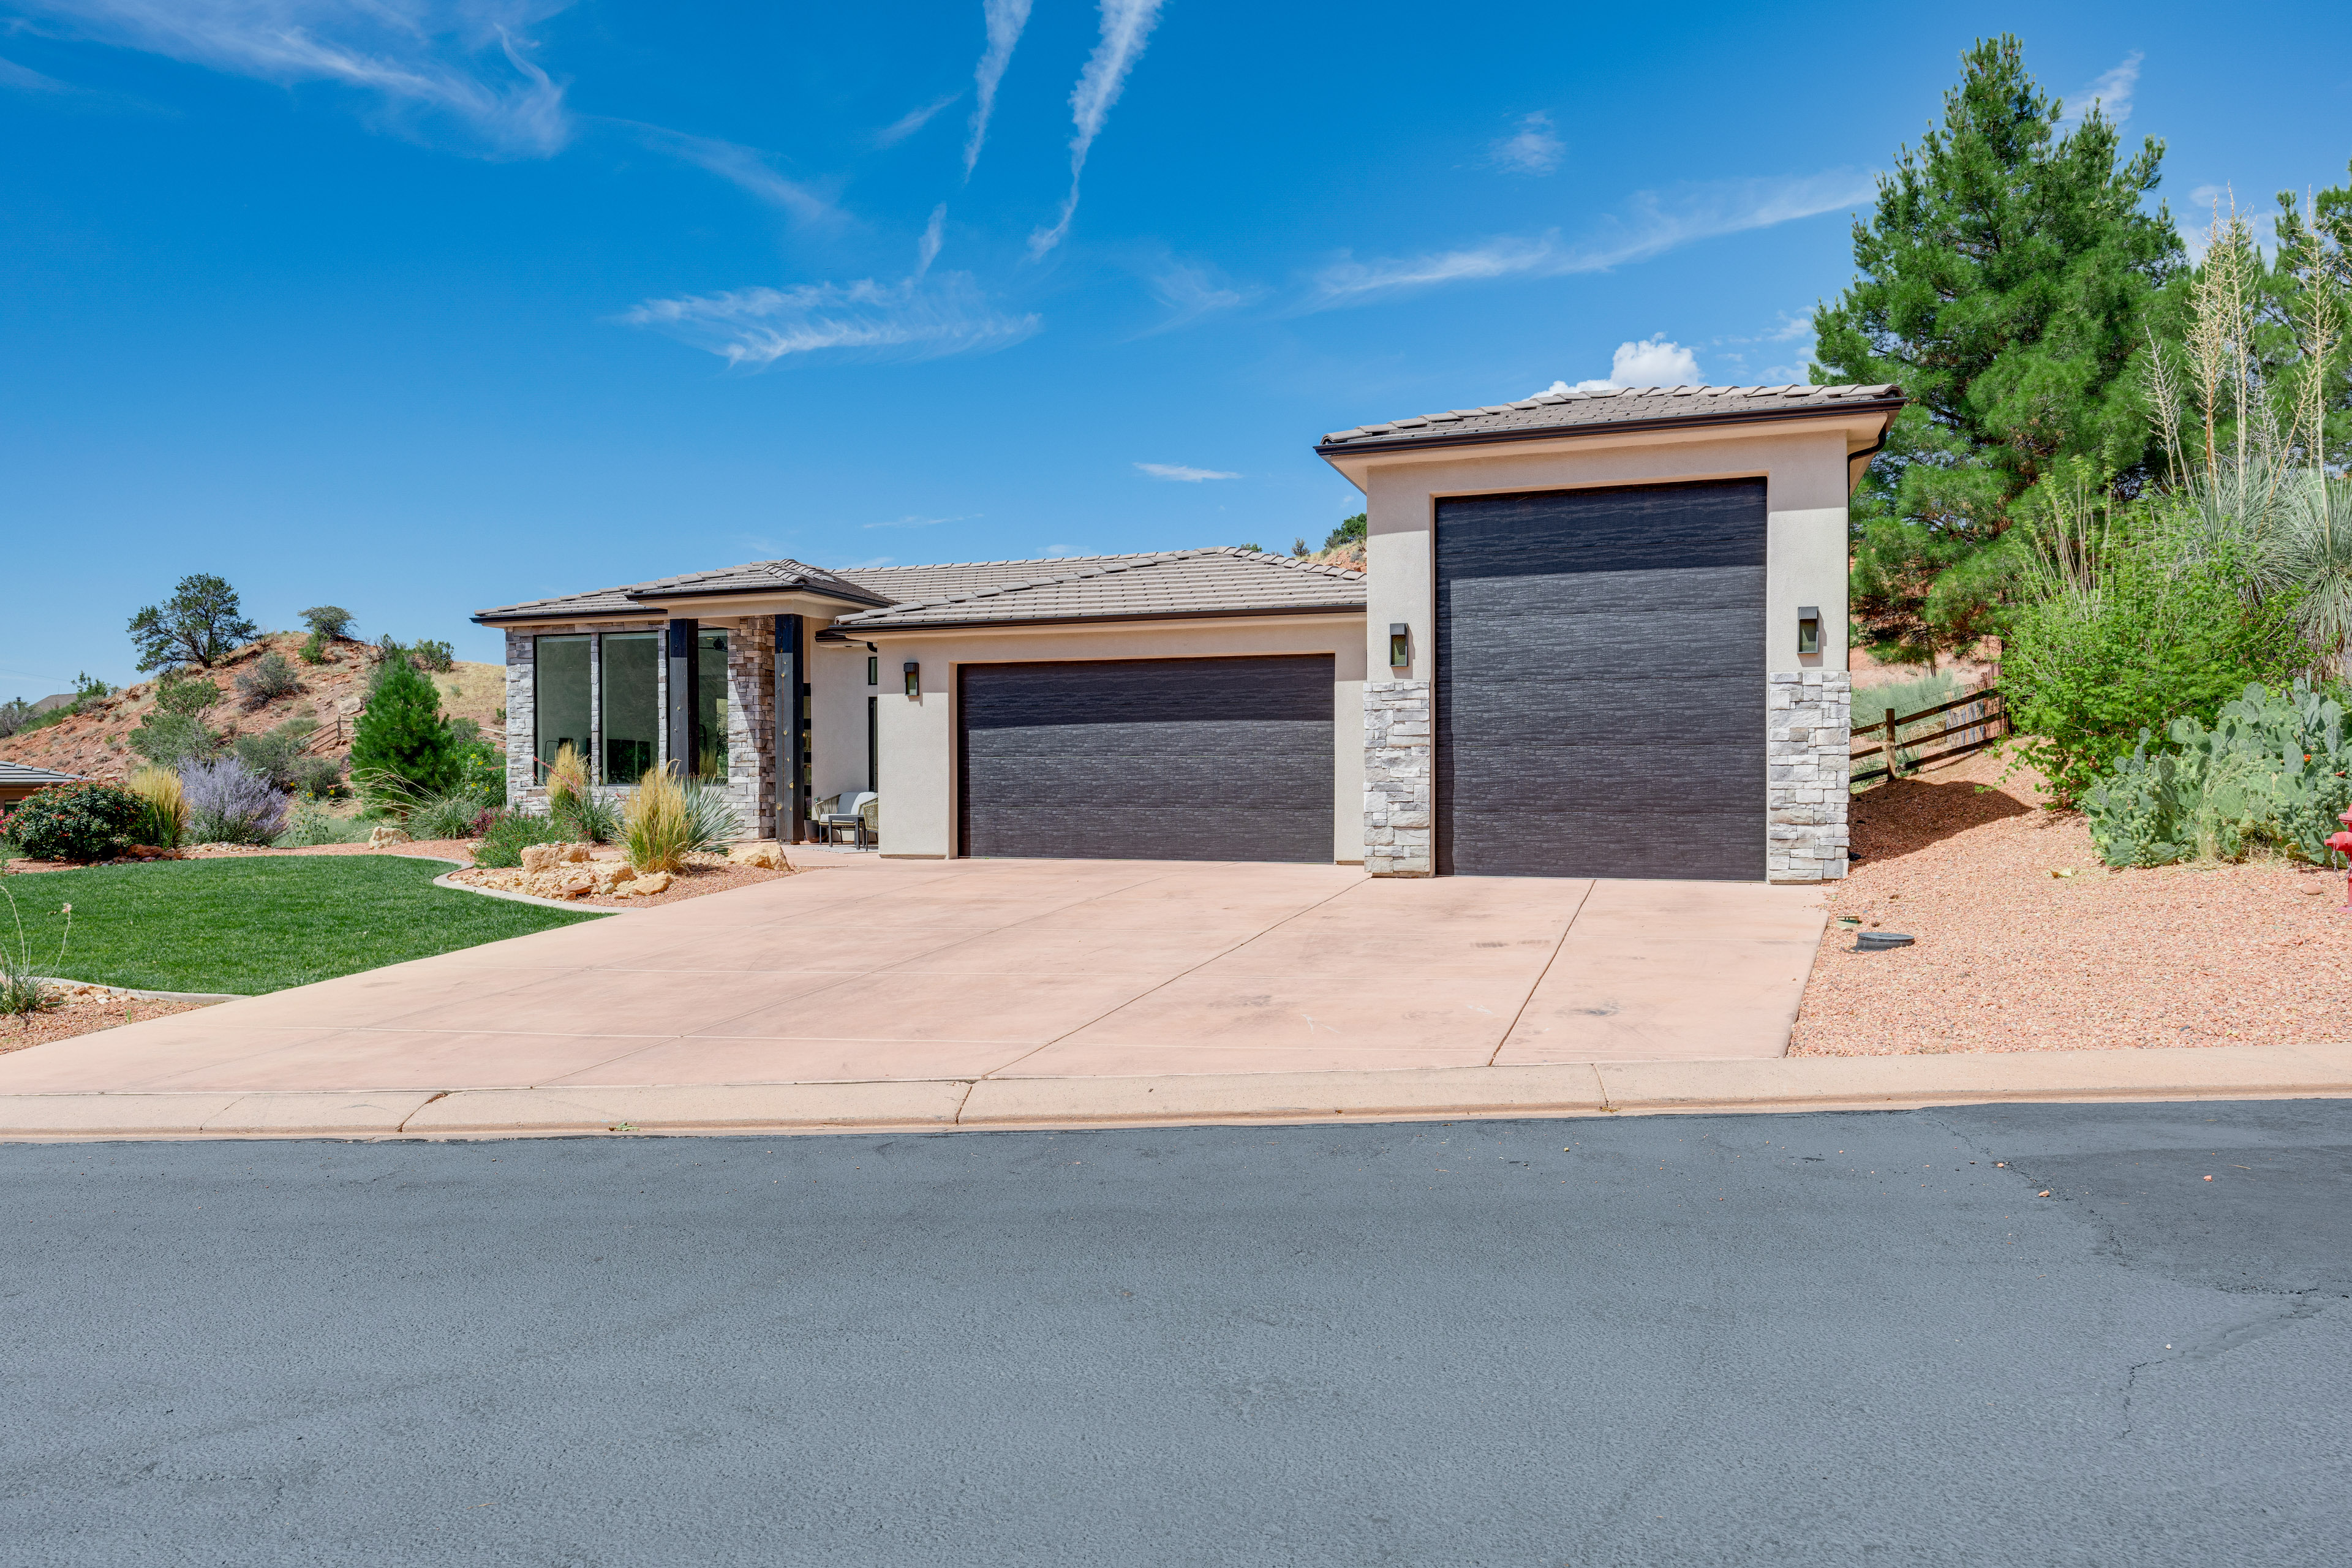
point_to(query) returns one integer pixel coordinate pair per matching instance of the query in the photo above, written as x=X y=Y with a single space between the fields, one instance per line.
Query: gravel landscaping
x=2011 y=958
x=82 y=1010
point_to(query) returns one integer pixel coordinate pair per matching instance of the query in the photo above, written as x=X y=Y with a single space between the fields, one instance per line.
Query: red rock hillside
x=95 y=743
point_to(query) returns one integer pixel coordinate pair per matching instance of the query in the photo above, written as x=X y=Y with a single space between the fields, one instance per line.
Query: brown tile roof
x=1223 y=580
x=1579 y=413
x=752 y=577
x=903 y=584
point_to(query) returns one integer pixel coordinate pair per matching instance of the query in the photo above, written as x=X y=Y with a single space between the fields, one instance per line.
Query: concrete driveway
x=863 y=969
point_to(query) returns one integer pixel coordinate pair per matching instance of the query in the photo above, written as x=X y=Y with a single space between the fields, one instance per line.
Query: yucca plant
x=20 y=991
x=162 y=806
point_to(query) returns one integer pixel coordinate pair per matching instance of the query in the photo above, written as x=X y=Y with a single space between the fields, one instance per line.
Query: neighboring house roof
x=1223 y=580
x=23 y=773
x=1554 y=413
x=752 y=577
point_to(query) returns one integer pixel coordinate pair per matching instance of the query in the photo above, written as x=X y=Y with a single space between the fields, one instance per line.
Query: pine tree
x=2007 y=277
x=401 y=743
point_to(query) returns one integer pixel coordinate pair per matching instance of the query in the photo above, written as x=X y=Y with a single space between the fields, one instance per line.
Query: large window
x=560 y=701
x=710 y=704
x=632 y=705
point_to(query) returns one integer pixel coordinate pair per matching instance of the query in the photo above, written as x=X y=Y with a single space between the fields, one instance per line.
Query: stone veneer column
x=1400 y=780
x=750 y=735
x=521 y=723
x=1807 y=763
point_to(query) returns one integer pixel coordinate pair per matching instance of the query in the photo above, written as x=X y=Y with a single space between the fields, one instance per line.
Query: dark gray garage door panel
x=1600 y=682
x=1161 y=759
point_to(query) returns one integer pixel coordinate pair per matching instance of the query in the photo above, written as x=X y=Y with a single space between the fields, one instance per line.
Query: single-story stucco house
x=1599 y=634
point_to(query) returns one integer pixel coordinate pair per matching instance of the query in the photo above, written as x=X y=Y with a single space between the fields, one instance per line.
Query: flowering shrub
x=75 y=822
x=228 y=803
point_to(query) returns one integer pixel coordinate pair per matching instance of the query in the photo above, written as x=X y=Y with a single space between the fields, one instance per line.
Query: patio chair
x=854 y=812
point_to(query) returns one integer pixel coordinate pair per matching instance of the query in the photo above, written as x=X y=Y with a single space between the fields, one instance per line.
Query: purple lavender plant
x=228 y=803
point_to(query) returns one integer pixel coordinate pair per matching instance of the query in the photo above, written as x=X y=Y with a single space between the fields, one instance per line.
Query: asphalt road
x=1804 y=1340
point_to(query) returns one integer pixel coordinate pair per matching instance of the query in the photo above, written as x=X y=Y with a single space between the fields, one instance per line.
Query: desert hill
x=95 y=743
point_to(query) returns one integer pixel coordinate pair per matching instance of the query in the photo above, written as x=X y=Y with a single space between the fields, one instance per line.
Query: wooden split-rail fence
x=1965 y=724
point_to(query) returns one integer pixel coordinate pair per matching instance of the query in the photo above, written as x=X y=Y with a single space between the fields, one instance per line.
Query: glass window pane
x=710 y=698
x=560 y=701
x=632 y=705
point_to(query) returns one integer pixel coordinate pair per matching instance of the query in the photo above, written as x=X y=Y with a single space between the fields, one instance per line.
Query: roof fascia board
x=1868 y=419
x=535 y=620
x=1334 y=614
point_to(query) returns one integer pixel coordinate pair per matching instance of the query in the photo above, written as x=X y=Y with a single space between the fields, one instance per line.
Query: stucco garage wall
x=919 y=734
x=1806 y=469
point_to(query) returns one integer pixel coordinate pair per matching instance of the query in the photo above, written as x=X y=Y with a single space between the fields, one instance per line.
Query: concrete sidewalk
x=1597 y=1089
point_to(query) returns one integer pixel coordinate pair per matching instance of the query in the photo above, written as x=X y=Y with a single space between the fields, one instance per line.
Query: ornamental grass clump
x=228 y=803
x=162 y=806
x=656 y=827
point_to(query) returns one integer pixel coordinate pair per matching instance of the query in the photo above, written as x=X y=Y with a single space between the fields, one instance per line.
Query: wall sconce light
x=914 y=679
x=1400 y=645
x=873 y=670
x=1809 y=628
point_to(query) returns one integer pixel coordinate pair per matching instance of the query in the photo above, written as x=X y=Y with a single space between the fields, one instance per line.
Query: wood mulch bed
x=2011 y=958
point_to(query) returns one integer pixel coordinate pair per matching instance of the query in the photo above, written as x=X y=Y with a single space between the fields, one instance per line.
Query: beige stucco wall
x=839 y=692
x=1803 y=465
x=919 y=734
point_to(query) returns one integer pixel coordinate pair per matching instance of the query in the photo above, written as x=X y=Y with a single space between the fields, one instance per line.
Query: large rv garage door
x=1600 y=682
x=1151 y=759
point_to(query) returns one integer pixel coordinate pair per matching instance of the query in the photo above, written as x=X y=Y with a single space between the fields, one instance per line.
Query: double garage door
x=1600 y=682
x=1151 y=759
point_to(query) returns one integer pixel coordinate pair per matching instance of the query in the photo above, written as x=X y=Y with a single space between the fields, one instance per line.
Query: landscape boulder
x=652 y=882
x=539 y=858
x=385 y=836
x=768 y=855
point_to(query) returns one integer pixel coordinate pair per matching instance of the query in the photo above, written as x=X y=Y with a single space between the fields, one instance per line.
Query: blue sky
x=424 y=305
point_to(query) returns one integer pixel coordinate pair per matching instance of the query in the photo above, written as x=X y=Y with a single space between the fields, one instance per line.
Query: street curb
x=1425 y=1094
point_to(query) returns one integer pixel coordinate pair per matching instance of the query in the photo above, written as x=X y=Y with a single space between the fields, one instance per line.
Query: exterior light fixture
x=873 y=670
x=914 y=679
x=1809 y=628
x=1400 y=645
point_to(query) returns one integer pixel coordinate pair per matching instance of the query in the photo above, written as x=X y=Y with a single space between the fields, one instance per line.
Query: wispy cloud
x=1004 y=20
x=1126 y=27
x=911 y=521
x=910 y=320
x=1180 y=472
x=463 y=62
x=926 y=249
x=20 y=79
x=914 y=120
x=2112 y=92
x=1530 y=149
x=1653 y=222
x=1190 y=291
x=746 y=168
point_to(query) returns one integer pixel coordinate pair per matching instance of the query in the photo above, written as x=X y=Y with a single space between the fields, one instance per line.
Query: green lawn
x=250 y=926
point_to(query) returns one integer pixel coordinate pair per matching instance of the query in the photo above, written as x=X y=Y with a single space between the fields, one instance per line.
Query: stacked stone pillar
x=1808 y=766
x=1400 y=780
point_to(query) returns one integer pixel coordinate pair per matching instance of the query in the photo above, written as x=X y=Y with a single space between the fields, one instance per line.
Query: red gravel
x=2009 y=958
